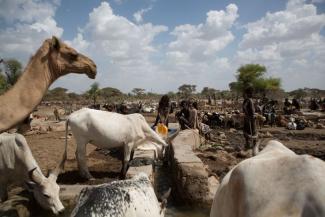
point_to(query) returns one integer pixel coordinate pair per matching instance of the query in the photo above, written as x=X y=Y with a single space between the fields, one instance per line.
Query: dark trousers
x=249 y=131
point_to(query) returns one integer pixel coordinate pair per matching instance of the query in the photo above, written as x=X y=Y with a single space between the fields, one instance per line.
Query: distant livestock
x=128 y=198
x=18 y=166
x=276 y=182
x=110 y=130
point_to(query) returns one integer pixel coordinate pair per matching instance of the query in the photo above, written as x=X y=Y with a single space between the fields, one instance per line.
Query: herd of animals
x=275 y=182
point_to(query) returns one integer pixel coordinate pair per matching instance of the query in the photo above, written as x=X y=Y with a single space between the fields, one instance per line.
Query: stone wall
x=193 y=185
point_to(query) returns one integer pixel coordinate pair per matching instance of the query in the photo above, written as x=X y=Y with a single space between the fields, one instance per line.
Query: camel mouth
x=92 y=74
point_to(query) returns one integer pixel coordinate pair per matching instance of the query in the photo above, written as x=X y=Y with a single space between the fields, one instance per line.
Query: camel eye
x=47 y=196
x=73 y=56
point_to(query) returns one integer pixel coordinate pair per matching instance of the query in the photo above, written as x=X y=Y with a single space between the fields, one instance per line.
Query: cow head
x=163 y=202
x=45 y=190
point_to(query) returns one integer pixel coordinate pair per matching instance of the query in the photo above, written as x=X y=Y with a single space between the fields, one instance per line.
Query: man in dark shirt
x=249 y=119
x=183 y=115
x=287 y=107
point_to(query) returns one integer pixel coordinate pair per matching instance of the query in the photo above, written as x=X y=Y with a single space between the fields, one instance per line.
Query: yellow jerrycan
x=162 y=130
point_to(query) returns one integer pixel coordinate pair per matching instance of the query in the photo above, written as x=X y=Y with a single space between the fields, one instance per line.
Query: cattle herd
x=275 y=182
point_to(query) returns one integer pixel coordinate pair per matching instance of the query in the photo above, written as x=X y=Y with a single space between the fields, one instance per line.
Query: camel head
x=64 y=59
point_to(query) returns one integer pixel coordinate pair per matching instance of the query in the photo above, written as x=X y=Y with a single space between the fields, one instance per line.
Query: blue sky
x=161 y=44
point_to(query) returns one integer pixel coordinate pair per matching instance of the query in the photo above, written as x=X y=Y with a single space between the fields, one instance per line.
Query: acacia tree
x=3 y=83
x=58 y=93
x=209 y=93
x=9 y=74
x=94 y=92
x=138 y=91
x=254 y=75
x=110 y=93
x=186 y=90
x=13 y=70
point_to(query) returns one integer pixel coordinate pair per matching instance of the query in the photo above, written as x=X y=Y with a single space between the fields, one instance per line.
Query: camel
x=51 y=61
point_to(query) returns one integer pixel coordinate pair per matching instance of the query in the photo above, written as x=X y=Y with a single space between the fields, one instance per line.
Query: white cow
x=110 y=130
x=127 y=198
x=275 y=183
x=18 y=166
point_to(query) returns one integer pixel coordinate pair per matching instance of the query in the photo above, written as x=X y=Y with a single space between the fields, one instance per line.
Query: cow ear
x=30 y=185
x=35 y=176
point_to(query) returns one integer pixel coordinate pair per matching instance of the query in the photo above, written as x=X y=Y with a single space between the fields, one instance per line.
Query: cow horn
x=59 y=168
x=34 y=177
x=173 y=136
x=256 y=147
x=163 y=200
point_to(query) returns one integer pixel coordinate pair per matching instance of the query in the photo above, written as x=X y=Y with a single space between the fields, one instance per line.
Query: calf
x=18 y=166
x=110 y=130
x=276 y=182
x=128 y=198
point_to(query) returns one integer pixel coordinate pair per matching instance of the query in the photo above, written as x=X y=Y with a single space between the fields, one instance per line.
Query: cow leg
x=81 y=159
x=3 y=192
x=126 y=158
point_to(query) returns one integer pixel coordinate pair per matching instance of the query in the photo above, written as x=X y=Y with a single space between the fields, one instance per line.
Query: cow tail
x=66 y=137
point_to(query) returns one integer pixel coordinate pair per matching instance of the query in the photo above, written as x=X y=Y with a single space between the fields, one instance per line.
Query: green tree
x=208 y=92
x=73 y=96
x=111 y=93
x=172 y=95
x=3 y=83
x=13 y=70
x=138 y=91
x=254 y=75
x=94 y=92
x=186 y=90
x=58 y=93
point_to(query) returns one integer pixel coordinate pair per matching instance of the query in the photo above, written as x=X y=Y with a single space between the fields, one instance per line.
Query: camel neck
x=20 y=100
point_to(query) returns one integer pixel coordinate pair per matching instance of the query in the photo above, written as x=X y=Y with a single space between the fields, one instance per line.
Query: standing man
x=249 y=119
x=164 y=109
x=56 y=114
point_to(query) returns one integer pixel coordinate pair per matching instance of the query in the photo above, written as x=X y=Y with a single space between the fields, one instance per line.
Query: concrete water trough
x=191 y=179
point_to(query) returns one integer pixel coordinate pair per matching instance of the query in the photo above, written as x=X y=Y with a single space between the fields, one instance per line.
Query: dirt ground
x=48 y=149
x=106 y=165
x=221 y=158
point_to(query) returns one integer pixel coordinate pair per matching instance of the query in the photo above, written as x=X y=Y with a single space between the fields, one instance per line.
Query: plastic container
x=162 y=130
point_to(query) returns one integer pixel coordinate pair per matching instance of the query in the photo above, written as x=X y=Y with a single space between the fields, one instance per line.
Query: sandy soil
x=48 y=149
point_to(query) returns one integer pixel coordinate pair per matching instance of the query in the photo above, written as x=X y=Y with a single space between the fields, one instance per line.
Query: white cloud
x=206 y=38
x=118 y=39
x=27 y=10
x=127 y=56
x=33 y=22
x=122 y=50
x=138 y=16
x=193 y=56
x=289 y=43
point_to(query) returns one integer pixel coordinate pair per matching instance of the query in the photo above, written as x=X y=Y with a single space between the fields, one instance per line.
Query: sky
x=159 y=45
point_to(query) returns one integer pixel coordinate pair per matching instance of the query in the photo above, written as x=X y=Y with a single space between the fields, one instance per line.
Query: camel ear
x=55 y=43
